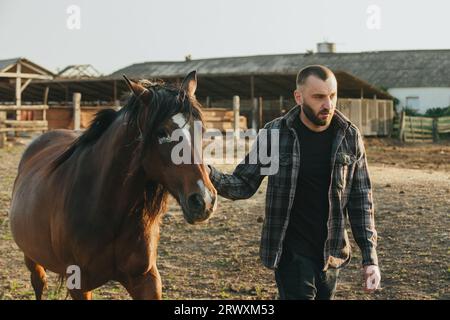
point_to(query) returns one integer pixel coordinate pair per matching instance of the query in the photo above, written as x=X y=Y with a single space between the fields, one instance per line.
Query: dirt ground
x=219 y=259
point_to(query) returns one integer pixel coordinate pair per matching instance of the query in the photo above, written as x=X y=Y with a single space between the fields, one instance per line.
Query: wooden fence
x=373 y=117
x=443 y=125
x=22 y=125
x=422 y=129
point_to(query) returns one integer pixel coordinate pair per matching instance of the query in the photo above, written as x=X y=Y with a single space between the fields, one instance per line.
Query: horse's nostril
x=196 y=202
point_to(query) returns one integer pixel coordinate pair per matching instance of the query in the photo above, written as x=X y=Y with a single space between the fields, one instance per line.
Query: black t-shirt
x=307 y=229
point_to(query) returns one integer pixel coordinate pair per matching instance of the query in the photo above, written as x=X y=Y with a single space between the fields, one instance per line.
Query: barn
x=263 y=83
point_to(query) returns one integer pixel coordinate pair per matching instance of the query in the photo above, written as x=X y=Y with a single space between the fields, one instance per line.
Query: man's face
x=317 y=99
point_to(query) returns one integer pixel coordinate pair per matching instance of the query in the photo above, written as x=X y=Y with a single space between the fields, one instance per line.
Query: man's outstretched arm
x=248 y=175
x=241 y=184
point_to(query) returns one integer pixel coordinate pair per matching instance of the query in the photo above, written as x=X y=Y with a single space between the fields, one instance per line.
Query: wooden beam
x=25 y=123
x=44 y=112
x=8 y=67
x=24 y=75
x=25 y=107
x=45 y=99
x=41 y=72
x=23 y=129
x=25 y=85
x=76 y=110
x=18 y=91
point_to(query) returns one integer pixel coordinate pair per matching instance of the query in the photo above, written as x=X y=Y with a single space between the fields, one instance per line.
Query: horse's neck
x=113 y=155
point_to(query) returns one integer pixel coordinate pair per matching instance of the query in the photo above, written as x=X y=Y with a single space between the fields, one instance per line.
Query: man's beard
x=309 y=113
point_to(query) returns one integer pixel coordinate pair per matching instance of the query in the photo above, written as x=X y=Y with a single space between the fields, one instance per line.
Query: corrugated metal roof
x=384 y=69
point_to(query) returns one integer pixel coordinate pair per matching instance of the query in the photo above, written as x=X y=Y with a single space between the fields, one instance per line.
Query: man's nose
x=328 y=105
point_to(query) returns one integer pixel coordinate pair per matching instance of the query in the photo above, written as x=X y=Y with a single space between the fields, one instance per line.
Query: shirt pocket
x=343 y=165
x=283 y=177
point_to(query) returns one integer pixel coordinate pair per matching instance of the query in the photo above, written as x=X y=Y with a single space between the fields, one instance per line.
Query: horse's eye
x=162 y=136
x=161 y=133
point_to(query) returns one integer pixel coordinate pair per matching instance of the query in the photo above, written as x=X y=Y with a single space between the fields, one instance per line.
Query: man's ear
x=298 y=97
x=138 y=90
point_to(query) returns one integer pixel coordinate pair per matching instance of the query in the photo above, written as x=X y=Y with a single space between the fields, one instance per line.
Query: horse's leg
x=144 y=287
x=77 y=294
x=38 y=277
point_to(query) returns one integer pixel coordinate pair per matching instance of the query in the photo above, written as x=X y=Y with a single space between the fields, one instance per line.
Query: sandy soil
x=219 y=259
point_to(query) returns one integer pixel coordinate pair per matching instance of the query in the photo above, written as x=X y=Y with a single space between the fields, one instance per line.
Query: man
x=322 y=179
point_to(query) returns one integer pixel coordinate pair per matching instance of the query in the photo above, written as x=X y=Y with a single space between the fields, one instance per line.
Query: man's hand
x=372 y=278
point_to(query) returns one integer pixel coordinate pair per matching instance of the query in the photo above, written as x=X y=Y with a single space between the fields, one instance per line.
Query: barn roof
x=270 y=86
x=383 y=69
x=5 y=63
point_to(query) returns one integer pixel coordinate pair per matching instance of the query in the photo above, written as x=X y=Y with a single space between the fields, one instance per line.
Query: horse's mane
x=166 y=101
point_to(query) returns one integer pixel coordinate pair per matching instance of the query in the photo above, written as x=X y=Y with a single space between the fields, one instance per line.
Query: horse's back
x=34 y=197
x=48 y=145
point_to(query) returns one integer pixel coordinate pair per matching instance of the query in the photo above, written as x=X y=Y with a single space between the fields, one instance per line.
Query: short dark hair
x=317 y=70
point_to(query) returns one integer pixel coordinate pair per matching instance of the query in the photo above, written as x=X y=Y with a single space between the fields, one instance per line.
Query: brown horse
x=95 y=200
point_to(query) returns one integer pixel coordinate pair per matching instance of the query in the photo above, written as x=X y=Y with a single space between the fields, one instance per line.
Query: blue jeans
x=300 y=278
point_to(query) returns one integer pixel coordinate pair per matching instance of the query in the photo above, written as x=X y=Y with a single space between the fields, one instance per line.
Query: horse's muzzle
x=198 y=208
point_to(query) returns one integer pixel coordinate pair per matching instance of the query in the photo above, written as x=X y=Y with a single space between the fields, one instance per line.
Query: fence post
x=435 y=130
x=236 y=107
x=2 y=134
x=401 y=131
x=255 y=114
x=76 y=110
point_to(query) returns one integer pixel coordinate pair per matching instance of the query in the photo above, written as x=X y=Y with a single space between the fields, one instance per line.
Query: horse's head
x=160 y=113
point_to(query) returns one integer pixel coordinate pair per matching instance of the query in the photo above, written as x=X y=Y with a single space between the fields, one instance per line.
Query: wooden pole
x=401 y=131
x=76 y=110
x=18 y=90
x=236 y=107
x=260 y=113
x=44 y=112
x=435 y=130
x=2 y=139
x=254 y=114
x=2 y=134
x=377 y=115
x=281 y=105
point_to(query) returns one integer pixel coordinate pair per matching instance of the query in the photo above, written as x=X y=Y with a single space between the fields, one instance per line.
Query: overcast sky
x=114 y=34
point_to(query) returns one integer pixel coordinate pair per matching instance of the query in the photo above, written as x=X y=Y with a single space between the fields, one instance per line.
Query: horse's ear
x=189 y=83
x=138 y=90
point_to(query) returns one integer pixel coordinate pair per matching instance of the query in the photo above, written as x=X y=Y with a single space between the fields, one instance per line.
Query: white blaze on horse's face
x=206 y=194
x=181 y=122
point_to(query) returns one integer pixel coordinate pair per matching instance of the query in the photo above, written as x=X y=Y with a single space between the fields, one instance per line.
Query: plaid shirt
x=350 y=192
